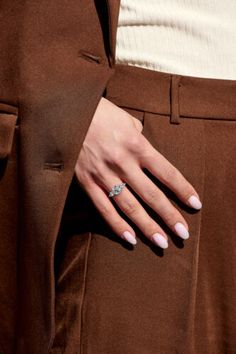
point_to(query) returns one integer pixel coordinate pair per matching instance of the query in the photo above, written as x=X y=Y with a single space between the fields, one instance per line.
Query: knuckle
x=188 y=191
x=171 y=217
x=116 y=223
x=129 y=207
x=171 y=173
x=117 y=157
x=134 y=143
x=105 y=211
x=139 y=125
x=151 y=195
x=150 y=227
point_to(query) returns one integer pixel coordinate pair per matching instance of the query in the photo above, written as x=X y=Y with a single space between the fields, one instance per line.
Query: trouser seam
x=84 y=290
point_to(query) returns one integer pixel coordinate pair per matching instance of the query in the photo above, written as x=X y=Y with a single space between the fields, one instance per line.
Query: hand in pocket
x=115 y=151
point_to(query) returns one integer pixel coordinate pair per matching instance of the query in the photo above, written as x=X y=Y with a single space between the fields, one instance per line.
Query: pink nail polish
x=160 y=240
x=181 y=230
x=129 y=237
x=195 y=202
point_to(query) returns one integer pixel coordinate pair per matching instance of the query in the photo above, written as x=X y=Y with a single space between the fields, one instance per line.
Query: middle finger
x=156 y=199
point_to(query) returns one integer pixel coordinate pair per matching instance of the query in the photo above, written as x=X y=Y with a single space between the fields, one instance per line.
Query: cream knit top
x=187 y=37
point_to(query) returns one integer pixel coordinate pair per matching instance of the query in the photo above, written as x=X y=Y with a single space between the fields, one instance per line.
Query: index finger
x=168 y=174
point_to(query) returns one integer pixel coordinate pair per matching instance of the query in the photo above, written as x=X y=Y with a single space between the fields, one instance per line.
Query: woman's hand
x=115 y=151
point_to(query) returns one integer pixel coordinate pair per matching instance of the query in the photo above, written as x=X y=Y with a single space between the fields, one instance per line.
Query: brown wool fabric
x=114 y=298
x=67 y=283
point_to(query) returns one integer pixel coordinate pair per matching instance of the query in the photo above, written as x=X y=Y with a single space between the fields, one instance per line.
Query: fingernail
x=195 y=202
x=129 y=237
x=160 y=240
x=181 y=230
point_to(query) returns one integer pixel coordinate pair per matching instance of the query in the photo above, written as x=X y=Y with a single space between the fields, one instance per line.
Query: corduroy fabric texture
x=114 y=298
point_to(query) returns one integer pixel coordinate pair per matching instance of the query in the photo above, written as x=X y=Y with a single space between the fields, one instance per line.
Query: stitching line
x=84 y=289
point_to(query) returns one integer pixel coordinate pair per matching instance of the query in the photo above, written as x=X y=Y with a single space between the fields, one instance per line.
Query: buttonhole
x=55 y=166
x=90 y=57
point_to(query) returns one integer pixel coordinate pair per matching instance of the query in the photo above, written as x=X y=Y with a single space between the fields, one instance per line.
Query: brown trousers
x=113 y=298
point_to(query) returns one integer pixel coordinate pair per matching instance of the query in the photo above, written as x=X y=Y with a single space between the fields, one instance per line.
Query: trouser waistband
x=173 y=95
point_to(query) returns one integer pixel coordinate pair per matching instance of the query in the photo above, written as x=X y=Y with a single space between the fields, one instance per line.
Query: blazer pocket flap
x=7 y=129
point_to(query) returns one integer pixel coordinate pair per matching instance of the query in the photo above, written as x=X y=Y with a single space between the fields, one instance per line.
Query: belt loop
x=174 y=99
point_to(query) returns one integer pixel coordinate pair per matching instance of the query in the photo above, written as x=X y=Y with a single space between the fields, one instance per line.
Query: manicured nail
x=129 y=237
x=195 y=202
x=160 y=240
x=181 y=230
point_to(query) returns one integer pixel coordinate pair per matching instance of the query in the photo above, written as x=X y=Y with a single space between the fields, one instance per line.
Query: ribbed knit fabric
x=187 y=37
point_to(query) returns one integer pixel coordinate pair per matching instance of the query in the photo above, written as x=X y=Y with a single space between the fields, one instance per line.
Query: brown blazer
x=55 y=61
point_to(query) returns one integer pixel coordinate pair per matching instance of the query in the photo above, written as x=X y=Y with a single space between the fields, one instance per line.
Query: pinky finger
x=110 y=214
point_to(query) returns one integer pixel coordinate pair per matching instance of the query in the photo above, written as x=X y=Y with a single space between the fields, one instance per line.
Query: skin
x=115 y=151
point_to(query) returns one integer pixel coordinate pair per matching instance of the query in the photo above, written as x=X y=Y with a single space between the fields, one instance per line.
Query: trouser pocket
x=8 y=227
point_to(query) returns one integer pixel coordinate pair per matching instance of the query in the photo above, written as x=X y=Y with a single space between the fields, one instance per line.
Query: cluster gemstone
x=116 y=189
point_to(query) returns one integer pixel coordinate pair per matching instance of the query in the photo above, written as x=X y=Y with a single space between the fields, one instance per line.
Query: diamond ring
x=116 y=189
